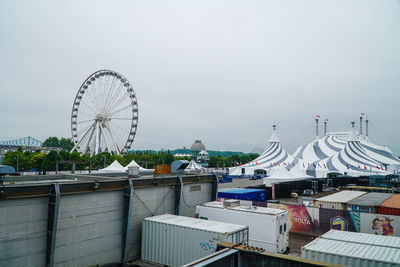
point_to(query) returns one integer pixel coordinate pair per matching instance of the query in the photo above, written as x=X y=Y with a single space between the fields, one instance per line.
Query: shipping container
x=162 y=169
x=368 y=202
x=350 y=254
x=363 y=238
x=268 y=228
x=243 y=193
x=337 y=201
x=390 y=206
x=176 y=240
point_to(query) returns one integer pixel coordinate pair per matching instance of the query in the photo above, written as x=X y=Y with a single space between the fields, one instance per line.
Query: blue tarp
x=4 y=169
x=243 y=193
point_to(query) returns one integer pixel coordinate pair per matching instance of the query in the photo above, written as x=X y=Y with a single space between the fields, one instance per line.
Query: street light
x=17 y=159
x=104 y=159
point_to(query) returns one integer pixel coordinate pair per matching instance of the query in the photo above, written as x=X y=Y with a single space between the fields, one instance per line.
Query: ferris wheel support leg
x=105 y=141
x=112 y=138
x=84 y=136
x=90 y=139
x=96 y=149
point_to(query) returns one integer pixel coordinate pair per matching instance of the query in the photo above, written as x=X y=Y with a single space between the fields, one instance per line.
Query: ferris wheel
x=104 y=115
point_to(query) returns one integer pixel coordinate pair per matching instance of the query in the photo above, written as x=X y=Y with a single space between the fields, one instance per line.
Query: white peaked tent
x=113 y=167
x=280 y=174
x=274 y=156
x=299 y=170
x=193 y=167
x=141 y=169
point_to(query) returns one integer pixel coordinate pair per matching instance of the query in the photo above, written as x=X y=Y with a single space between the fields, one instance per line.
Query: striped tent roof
x=273 y=156
x=353 y=159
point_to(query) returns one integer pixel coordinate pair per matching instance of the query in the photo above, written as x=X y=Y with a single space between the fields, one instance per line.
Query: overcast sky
x=220 y=71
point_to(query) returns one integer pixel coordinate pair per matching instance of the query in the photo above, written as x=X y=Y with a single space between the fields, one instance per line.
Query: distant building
x=199 y=153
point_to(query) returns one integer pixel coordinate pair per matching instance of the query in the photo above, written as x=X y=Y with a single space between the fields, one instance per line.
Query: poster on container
x=339 y=220
x=380 y=224
x=303 y=219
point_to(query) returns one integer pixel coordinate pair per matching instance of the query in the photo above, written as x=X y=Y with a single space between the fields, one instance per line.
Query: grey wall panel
x=89 y=229
x=23 y=230
x=192 y=197
x=147 y=202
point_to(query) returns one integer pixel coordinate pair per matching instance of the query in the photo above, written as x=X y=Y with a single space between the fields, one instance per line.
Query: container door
x=281 y=235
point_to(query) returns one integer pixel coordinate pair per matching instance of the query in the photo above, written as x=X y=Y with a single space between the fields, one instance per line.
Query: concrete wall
x=90 y=225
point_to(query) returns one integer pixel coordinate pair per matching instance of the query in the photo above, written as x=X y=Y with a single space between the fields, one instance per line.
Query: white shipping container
x=268 y=228
x=350 y=254
x=176 y=240
x=363 y=238
x=338 y=200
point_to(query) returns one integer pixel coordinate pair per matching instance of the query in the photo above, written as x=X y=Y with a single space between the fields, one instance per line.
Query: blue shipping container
x=243 y=194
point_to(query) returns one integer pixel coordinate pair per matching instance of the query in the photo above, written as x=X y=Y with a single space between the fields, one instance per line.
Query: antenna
x=316 y=126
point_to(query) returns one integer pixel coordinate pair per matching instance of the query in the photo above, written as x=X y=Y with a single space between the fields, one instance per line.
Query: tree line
x=38 y=161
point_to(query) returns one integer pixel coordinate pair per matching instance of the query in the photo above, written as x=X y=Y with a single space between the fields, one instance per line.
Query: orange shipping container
x=390 y=206
x=162 y=169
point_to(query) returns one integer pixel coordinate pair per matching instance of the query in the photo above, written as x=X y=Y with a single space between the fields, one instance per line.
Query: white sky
x=221 y=71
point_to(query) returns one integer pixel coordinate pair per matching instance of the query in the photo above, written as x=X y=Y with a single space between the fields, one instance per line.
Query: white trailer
x=268 y=228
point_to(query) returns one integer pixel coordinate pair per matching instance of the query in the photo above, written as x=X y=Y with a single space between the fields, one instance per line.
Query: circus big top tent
x=275 y=155
x=336 y=153
x=348 y=153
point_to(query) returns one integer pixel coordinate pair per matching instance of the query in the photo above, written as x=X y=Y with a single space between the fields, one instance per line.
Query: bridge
x=26 y=144
x=28 y=141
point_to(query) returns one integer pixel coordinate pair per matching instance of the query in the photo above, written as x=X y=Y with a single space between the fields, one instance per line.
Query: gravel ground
x=296 y=241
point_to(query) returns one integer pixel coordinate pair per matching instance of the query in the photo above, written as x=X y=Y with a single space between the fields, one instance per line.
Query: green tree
x=49 y=161
x=66 y=144
x=14 y=158
x=51 y=142
x=36 y=160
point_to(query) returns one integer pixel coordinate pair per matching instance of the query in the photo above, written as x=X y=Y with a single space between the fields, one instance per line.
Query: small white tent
x=193 y=167
x=141 y=170
x=280 y=174
x=113 y=167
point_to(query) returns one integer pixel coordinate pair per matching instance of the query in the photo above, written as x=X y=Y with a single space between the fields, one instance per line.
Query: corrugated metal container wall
x=350 y=254
x=388 y=211
x=176 y=240
x=363 y=238
x=390 y=206
x=338 y=200
x=368 y=202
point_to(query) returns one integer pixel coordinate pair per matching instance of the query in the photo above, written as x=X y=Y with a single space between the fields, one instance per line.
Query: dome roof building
x=197 y=147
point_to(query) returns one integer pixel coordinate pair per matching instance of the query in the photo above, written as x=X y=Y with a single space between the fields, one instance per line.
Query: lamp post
x=17 y=159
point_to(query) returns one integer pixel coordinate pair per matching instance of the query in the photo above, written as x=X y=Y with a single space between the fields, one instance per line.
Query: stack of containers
x=176 y=240
x=243 y=194
x=354 y=249
x=368 y=202
x=390 y=206
x=338 y=200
